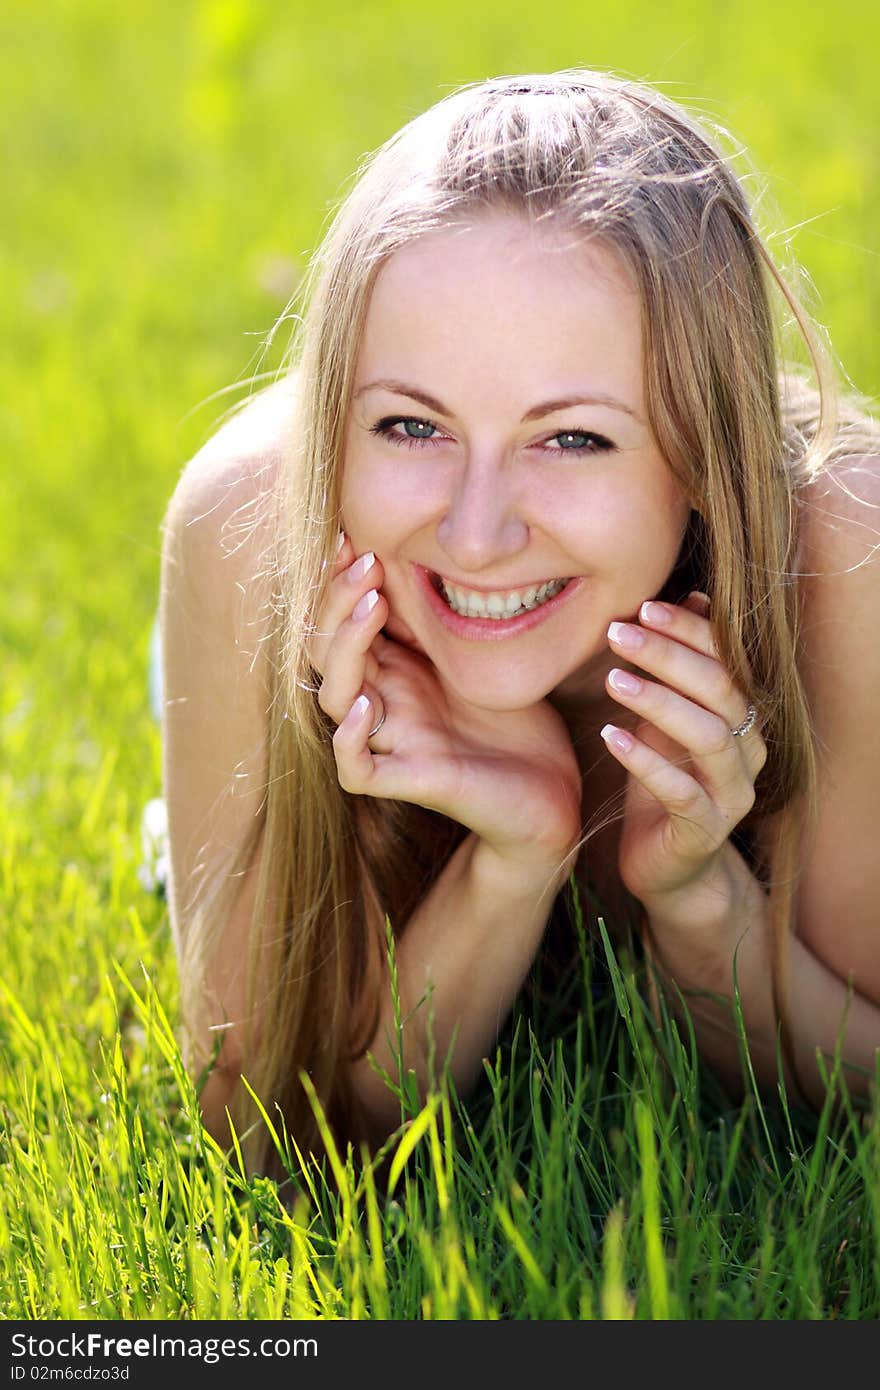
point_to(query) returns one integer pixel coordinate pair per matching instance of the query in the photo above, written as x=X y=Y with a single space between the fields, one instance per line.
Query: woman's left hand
x=690 y=779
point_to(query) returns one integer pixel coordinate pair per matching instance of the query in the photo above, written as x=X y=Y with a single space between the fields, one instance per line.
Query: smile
x=494 y=615
x=501 y=604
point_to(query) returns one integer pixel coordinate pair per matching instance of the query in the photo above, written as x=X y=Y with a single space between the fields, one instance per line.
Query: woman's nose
x=483 y=524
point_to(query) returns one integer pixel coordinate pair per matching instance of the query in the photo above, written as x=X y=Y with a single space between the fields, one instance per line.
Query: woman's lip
x=489 y=629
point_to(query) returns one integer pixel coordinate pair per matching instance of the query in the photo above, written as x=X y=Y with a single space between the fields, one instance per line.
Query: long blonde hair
x=605 y=158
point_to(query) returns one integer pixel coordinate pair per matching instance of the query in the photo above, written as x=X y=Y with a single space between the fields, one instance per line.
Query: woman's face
x=497 y=442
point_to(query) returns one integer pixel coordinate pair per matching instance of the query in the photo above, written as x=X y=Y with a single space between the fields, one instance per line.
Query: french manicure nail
x=359 y=568
x=618 y=738
x=364 y=606
x=656 y=613
x=340 y=541
x=625 y=635
x=625 y=682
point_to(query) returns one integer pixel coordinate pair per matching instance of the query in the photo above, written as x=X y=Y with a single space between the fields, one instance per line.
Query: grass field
x=167 y=169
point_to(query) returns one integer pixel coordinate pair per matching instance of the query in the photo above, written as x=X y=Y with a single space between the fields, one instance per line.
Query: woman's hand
x=691 y=780
x=510 y=777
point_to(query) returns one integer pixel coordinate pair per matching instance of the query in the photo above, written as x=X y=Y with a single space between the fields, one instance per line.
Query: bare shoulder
x=840 y=662
x=220 y=522
x=839 y=571
x=218 y=612
x=242 y=456
x=257 y=425
x=840 y=511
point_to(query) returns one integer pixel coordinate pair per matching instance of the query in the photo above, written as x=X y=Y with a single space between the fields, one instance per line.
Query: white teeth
x=498 y=606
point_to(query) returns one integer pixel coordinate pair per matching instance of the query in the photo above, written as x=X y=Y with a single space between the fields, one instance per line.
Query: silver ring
x=748 y=722
x=378 y=726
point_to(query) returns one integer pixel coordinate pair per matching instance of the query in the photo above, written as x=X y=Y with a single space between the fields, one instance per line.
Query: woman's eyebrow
x=535 y=412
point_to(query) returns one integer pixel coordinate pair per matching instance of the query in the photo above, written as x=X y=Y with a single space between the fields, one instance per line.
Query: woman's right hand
x=510 y=777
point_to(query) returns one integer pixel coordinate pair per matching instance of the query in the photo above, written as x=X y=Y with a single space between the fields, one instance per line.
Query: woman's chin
x=484 y=691
x=490 y=698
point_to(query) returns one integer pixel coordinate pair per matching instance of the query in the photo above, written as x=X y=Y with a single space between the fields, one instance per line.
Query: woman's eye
x=418 y=429
x=414 y=430
x=581 y=442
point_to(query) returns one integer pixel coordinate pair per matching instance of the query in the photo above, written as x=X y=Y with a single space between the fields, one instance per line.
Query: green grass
x=594 y=1174
x=167 y=169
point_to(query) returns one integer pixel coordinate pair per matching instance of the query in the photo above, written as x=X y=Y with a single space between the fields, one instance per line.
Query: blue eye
x=581 y=442
x=417 y=431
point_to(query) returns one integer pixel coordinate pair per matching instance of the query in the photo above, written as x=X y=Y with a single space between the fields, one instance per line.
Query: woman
x=536 y=563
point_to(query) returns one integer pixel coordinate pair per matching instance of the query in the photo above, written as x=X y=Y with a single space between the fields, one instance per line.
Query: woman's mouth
x=499 y=604
x=480 y=614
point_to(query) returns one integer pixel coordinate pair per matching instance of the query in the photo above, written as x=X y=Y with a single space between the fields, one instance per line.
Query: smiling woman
x=537 y=524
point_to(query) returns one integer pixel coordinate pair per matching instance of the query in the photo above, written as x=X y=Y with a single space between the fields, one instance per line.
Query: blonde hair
x=604 y=158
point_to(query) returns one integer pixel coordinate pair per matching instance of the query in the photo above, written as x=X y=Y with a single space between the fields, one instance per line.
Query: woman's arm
x=834 y=957
x=838 y=907
x=214 y=723
x=460 y=962
x=700 y=943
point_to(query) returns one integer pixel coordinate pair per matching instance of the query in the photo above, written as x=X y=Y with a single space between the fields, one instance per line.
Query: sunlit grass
x=592 y=1175
x=167 y=168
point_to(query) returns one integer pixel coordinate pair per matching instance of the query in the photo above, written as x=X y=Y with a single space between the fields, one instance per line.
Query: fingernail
x=340 y=541
x=625 y=635
x=624 y=681
x=656 y=613
x=359 y=568
x=702 y=598
x=618 y=738
x=364 y=606
x=359 y=708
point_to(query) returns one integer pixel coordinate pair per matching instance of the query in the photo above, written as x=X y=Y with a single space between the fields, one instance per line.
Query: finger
x=691 y=667
x=350 y=667
x=343 y=556
x=354 y=760
x=685 y=625
x=354 y=577
x=364 y=769
x=697 y=602
x=377 y=743
x=679 y=647
x=697 y=824
x=704 y=735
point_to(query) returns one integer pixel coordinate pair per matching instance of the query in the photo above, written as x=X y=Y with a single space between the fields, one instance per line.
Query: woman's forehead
x=507 y=241
x=502 y=295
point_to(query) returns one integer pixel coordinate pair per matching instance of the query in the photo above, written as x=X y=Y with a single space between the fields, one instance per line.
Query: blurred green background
x=167 y=168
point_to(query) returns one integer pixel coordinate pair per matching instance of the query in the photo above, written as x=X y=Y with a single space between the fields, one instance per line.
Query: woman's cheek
x=385 y=503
